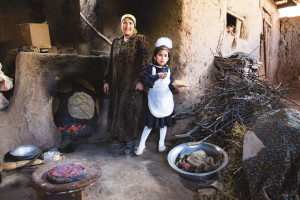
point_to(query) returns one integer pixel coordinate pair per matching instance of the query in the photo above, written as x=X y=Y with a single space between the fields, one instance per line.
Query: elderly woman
x=122 y=81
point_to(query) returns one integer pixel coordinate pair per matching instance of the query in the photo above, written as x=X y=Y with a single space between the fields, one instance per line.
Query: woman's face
x=162 y=57
x=127 y=27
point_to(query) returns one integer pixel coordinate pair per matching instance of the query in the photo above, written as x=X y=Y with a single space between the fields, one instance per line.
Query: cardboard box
x=34 y=34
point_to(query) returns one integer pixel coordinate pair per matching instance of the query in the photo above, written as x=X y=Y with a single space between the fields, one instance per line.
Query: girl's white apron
x=160 y=97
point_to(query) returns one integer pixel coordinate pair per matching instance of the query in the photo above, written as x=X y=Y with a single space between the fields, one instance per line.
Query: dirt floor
x=123 y=177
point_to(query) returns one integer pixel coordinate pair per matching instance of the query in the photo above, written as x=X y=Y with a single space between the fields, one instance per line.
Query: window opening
x=234 y=24
x=231 y=22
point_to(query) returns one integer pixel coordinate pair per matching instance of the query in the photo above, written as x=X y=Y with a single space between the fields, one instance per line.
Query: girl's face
x=162 y=57
x=127 y=27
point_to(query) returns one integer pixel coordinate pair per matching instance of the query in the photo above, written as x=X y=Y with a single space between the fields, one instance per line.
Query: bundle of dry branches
x=235 y=97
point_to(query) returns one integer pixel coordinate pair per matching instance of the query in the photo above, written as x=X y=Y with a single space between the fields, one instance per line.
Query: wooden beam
x=286 y=3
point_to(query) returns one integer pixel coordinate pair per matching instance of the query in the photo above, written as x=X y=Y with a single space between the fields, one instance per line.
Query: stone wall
x=289 y=63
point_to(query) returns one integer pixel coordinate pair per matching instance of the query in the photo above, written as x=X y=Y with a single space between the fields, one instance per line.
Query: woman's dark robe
x=123 y=72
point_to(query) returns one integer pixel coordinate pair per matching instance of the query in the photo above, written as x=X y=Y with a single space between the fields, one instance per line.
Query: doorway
x=265 y=45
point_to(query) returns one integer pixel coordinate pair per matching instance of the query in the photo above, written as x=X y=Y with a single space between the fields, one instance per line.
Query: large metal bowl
x=26 y=152
x=208 y=148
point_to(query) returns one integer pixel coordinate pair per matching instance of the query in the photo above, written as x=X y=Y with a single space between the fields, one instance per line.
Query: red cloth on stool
x=65 y=173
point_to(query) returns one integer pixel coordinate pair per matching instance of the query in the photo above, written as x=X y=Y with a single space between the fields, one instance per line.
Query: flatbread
x=180 y=83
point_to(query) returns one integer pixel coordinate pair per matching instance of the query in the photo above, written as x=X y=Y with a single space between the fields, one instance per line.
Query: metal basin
x=26 y=152
x=208 y=148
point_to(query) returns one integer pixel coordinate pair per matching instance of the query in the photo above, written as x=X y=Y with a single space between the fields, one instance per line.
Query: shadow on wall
x=154 y=19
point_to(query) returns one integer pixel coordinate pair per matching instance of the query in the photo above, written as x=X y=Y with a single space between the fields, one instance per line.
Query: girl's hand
x=139 y=86
x=162 y=75
x=106 y=88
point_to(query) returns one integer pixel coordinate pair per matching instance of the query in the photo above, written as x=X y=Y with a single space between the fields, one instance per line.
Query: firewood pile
x=238 y=95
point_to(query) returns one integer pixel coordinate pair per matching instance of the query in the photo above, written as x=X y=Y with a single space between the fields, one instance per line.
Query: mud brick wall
x=289 y=54
x=196 y=29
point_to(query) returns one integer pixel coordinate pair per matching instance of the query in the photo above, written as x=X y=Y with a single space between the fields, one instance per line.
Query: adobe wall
x=204 y=28
x=289 y=63
x=196 y=29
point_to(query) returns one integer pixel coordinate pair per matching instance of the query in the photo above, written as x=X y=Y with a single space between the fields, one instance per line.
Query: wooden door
x=265 y=45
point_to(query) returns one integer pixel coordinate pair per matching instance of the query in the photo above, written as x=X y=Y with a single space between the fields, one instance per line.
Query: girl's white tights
x=162 y=136
x=144 y=137
x=145 y=134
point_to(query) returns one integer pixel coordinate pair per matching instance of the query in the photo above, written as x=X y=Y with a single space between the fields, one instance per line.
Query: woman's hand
x=139 y=86
x=106 y=88
x=162 y=75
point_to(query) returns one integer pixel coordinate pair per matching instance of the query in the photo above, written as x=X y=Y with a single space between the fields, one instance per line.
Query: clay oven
x=42 y=81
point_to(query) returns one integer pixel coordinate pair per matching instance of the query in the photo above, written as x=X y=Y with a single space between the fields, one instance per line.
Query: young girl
x=159 y=79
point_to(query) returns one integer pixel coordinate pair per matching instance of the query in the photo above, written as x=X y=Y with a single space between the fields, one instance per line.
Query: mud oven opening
x=76 y=107
x=54 y=95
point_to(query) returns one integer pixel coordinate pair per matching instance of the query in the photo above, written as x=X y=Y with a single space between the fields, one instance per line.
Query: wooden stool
x=43 y=187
